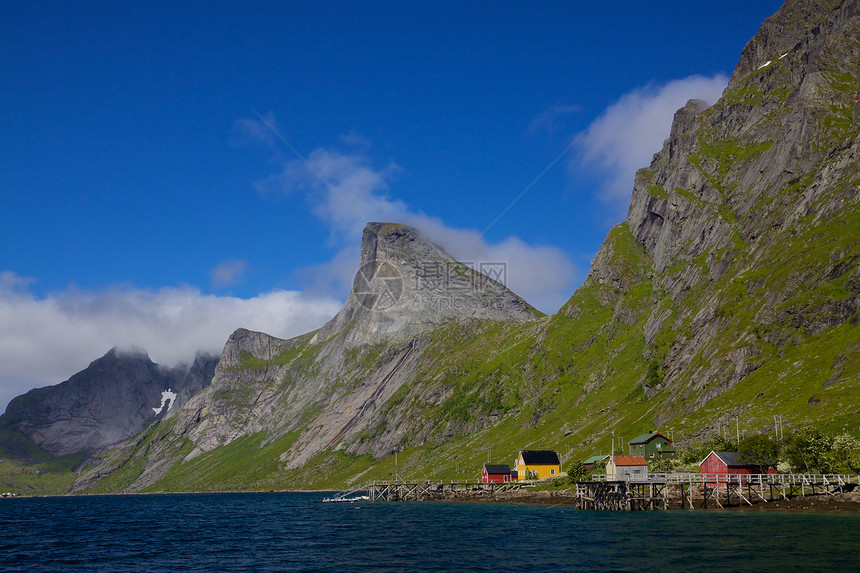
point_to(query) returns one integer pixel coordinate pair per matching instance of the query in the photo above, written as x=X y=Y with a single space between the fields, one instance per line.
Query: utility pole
x=738 y=427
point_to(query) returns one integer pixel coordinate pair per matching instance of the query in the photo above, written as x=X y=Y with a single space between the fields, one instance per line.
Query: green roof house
x=595 y=460
x=652 y=445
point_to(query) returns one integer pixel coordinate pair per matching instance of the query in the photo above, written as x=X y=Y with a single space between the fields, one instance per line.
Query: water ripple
x=295 y=532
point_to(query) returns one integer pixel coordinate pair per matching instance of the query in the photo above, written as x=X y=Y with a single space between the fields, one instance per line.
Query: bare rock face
x=406 y=284
x=199 y=376
x=717 y=182
x=111 y=400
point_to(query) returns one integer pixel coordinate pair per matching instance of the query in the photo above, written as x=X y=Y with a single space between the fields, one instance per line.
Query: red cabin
x=495 y=473
x=723 y=467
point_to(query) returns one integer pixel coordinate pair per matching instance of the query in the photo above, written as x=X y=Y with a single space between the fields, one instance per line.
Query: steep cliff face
x=111 y=400
x=750 y=210
x=406 y=285
x=780 y=141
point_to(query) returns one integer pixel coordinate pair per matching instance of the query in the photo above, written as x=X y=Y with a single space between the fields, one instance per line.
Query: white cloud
x=252 y=131
x=332 y=278
x=550 y=120
x=346 y=191
x=46 y=340
x=227 y=273
x=629 y=132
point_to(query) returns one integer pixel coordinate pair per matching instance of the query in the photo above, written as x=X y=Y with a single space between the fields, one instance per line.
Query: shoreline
x=818 y=503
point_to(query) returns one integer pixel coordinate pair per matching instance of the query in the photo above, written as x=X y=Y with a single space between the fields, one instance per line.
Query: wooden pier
x=622 y=495
x=659 y=492
x=693 y=491
x=428 y=491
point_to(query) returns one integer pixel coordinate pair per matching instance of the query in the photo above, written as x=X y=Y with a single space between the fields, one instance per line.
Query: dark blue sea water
x=296 y=532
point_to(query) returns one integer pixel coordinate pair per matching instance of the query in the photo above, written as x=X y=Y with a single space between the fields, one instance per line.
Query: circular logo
x=377 y=285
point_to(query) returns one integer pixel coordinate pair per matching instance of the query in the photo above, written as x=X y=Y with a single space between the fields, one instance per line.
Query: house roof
x=730 y=459
x=645 y=438
x=498 y=468
x=597 y=458
x=539 y=457
x=630 y=461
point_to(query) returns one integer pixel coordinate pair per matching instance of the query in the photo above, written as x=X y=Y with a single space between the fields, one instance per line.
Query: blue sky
x=150 y=196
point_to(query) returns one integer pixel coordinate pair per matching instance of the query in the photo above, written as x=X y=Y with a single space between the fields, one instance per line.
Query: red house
x=723 y=467
x=495 y=473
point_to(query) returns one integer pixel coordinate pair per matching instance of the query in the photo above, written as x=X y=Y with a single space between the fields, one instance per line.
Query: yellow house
x=543 y=463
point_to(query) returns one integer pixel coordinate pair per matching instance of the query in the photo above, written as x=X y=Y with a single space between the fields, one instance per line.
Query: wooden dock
x=693 y=491
x=429 y=491
x=660 y=492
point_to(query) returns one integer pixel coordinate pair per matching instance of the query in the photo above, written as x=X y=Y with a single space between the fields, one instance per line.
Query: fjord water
x=296 y=532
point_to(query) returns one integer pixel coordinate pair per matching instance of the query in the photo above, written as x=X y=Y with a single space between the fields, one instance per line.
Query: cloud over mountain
x=345 y=189
x=625 y=136
x=45 y=340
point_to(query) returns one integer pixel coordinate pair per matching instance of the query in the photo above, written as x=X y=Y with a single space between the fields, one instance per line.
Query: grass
x=657 y=191
x=28 y=470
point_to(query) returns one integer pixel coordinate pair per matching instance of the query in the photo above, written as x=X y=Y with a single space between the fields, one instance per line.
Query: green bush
x=846 y=451
x=576 y=472
x=662 y=465
x=809 y=450
x=759 y=450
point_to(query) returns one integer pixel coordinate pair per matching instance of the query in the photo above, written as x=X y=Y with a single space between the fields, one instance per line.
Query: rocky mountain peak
x=794 y=28
x=753 y=162
x=406 y=284
x=111 y=400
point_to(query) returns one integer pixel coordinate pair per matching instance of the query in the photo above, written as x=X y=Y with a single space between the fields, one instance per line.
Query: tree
x=809 y=450
x=846 y=449
x=661 y=465
x=759 y=450
x=695 y=454
x=576 y=471
x=720 y=444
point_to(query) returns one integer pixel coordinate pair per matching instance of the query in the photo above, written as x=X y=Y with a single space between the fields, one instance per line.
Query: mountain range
x=731 y=294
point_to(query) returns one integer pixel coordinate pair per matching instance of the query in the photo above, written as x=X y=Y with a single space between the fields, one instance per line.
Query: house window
x=552 y=472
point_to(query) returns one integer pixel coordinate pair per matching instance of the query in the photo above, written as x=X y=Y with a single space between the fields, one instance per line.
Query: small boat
x=345 y=499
